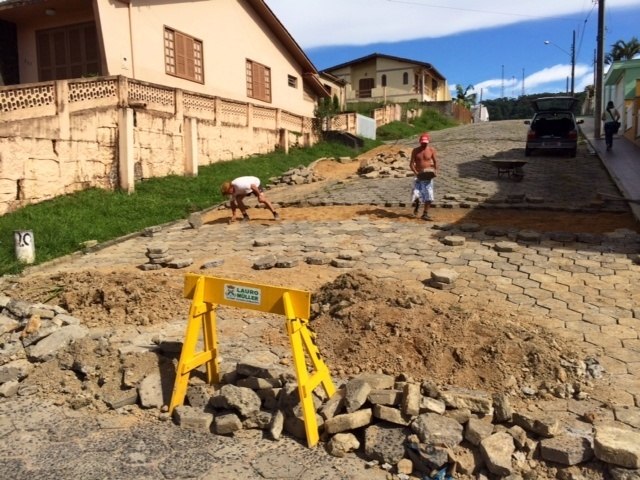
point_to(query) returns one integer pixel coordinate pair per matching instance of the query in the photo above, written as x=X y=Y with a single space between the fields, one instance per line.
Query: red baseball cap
x=424 y=138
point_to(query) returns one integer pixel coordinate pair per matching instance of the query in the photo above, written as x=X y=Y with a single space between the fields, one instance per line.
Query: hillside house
x=388 y=79
x=133 y=89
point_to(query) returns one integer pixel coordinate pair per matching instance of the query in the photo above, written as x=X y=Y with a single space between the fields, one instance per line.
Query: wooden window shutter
x=258 y=81
x=183 y=56
x=68 y=52
x=259 y=87
x=45 y=60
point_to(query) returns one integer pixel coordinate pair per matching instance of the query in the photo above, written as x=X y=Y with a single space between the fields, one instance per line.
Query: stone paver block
x=454 y=240
x=603 y=340
x=620 y=331
x=566 y=449
x=618 y=446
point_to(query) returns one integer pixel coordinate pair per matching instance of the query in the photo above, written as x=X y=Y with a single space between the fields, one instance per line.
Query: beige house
x=385 y=78
x=235 y=49
x=104 y=93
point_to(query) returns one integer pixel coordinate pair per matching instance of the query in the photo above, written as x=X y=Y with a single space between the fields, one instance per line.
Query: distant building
x=335 y=87
x=388 y=79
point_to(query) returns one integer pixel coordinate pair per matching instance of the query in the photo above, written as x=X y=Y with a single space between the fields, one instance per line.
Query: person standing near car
x=424 y=164
x=610 y=117
x=241 y=187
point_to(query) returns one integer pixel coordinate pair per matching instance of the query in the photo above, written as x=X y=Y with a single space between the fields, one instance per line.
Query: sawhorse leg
x=201 y=317
x=303 y=340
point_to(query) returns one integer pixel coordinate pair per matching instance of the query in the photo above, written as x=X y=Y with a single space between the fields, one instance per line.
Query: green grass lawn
x=429 y=121
x=61 y=225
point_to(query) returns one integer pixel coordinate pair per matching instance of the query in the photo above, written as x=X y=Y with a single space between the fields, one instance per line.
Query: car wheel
x=527 y=152
x=573 y=152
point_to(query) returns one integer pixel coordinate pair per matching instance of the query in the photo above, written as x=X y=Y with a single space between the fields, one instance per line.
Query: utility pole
x=599 y=67
x=523 y=82
x=502 y=87
x=573 y=63
x=592 y=102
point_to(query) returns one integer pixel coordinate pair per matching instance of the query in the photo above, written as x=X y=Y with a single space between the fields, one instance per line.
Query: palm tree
x=463 y=97
x=622 y=50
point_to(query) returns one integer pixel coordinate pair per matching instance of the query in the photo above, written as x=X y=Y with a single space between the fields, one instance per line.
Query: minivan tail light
x=573 y=135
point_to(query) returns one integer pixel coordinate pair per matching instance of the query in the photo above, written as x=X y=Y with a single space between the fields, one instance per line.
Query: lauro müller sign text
x=242 y=294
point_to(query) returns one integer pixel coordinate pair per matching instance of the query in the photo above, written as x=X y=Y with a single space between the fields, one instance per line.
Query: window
x=292 y=81
x=405 y=78
x=258 y=81
x=328 y=88
x=383 y=80
x=365 y=85
x=68 y=52
x=434 y=85
x=183 y=56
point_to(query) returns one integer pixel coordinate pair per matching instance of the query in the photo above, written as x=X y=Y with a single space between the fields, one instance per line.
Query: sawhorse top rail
x=240 y=294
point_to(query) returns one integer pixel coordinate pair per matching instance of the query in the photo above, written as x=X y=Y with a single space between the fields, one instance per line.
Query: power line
x=447 y=7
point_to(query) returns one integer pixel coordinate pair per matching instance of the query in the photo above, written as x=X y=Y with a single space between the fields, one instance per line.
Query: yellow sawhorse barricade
x=208 y=292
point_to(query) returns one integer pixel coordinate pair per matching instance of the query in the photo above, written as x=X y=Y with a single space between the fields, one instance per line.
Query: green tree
x=326 y=108
x=463 y=97
x=521 y=107
x=622 y=50
x=336 y=103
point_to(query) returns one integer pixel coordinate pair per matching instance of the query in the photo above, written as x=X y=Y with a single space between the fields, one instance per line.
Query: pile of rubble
x=386 y=164
x=31 y=333
x=413 y=428
x=405 y=426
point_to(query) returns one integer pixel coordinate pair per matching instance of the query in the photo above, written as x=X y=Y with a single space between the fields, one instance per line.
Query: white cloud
x=317 y=23
x=551 y=79
x=554 y=74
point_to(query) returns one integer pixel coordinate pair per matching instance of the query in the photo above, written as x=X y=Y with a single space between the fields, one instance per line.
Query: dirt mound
x=103 y=299
x=366 y=324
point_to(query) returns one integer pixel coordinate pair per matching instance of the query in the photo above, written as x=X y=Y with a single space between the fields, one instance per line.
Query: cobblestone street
x=581 y=286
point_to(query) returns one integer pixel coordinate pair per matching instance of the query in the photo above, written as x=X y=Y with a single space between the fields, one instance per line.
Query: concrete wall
x=64 y=136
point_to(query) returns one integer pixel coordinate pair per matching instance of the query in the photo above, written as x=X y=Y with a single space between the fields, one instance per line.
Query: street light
x=573 y=58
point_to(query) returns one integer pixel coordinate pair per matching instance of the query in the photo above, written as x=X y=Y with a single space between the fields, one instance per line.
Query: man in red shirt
x=424 y=164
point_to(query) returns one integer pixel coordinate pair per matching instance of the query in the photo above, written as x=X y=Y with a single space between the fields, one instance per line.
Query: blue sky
x=493 y=45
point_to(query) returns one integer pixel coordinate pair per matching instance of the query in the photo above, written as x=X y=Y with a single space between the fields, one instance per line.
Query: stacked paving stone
x=159 y=257
x=31 y=333
x=295 y=176
x=443 y=279
x=409 y=427
x=386 y=165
